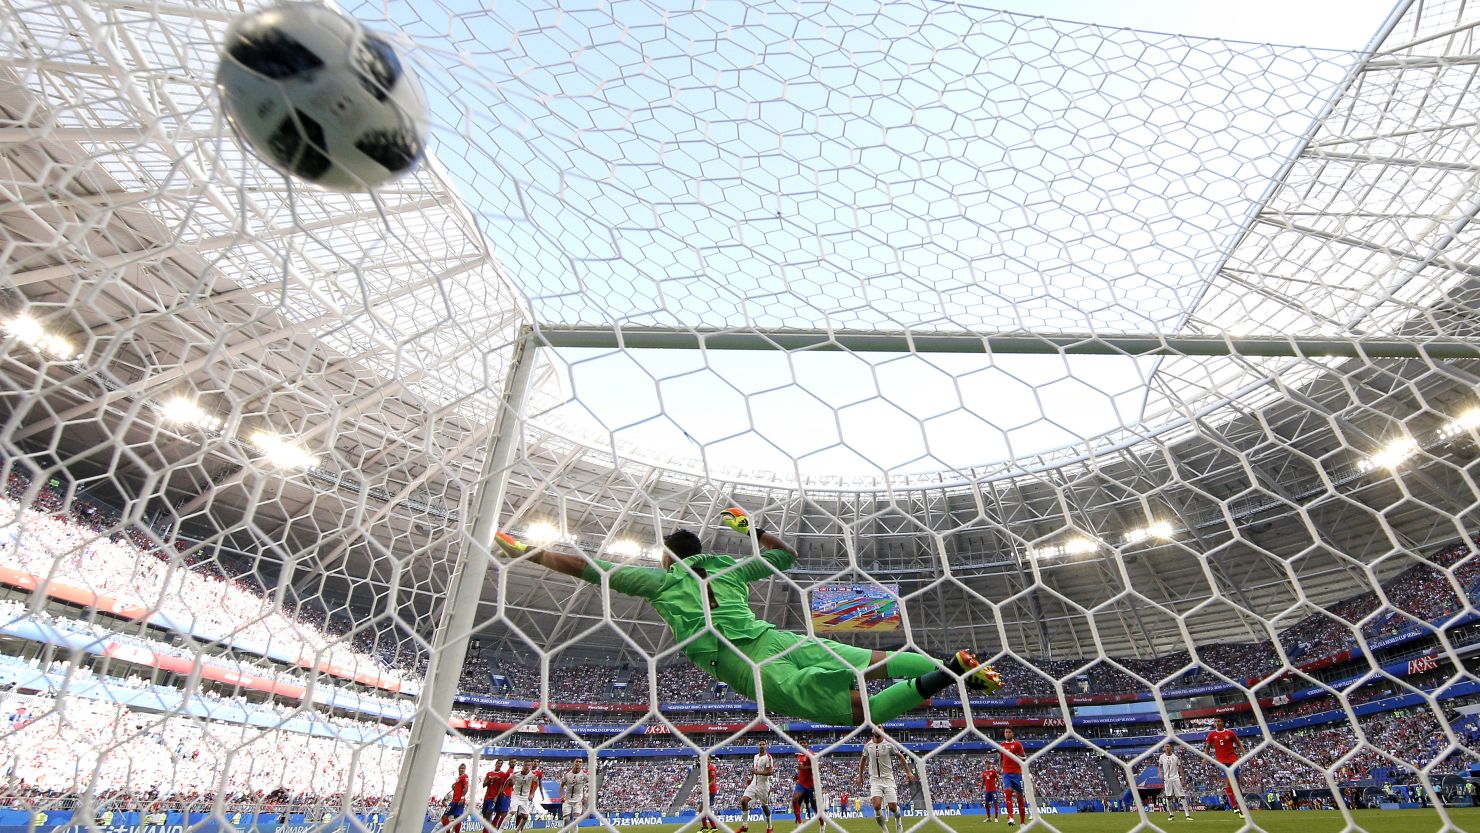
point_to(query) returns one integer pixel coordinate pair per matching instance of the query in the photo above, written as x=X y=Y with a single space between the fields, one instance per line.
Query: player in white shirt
x=574 y=787
x=526 y=781
x=882 y=788
x=758 y=788
x=1171 y=778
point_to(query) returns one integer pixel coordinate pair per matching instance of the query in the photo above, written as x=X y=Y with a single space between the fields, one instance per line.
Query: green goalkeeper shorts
x=803 y=677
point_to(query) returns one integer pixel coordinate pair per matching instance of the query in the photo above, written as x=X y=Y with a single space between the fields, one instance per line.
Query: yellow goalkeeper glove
x=510 y=545
x=736 y=519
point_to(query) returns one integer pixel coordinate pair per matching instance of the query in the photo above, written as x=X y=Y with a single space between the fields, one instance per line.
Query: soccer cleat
x=1010 y=822
x=736 y=519
x=979 y=677
x=510 y=545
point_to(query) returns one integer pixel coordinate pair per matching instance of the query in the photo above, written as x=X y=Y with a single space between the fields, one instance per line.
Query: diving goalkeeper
x=800 y=676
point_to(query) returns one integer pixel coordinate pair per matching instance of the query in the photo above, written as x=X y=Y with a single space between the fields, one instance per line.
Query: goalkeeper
x=705 y=599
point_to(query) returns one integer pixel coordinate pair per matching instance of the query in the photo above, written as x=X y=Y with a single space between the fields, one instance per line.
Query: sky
x=831 y=165
x=1323 y=23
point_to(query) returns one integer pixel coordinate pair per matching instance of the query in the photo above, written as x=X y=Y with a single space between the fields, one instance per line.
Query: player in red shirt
x=804 y=794
x=497 y=789
x=1224 y=745
x=457 y=800
x=708 y=822
x=990 y=776
x=1013 y=755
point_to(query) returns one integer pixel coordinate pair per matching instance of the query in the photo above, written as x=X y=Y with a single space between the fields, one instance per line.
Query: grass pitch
x=1279 y=821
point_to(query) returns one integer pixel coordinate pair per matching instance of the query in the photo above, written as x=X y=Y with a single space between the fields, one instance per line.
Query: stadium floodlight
x=1079 y=545
x=182 y=410
x=625 y=548
x=542 y=532
x=1467 y=421
x=1392 y=455
x=33 y=334
x=282 y=453
x=1161 y=530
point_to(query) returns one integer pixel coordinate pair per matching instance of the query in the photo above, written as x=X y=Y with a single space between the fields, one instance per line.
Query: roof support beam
x=1424 y=62
x=1358 y=243
x=223 y=241
x=1337 y=156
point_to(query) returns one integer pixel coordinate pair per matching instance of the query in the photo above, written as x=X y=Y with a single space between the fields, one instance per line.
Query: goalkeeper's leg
x=817 y=679
x=930 y=677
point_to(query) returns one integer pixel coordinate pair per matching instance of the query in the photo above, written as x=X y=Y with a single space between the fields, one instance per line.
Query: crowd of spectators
x=51 y=747
x=111 y=750
x=85 y=545
x=235 y=665
x=80 y=545
x=640 y=786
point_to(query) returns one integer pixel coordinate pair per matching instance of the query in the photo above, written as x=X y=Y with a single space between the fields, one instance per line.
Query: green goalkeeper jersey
x=677 y=594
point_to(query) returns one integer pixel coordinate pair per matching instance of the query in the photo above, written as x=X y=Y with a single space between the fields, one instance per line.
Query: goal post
x=460 y=606
x=1070 y=344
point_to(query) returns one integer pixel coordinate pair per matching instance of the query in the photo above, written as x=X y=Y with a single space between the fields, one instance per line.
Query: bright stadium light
x=628 y=548
x=282 y=453
x=182 y=410
x=1467 y=421
x=1072 y=546
x=542 y=533
x=625 y=548
x=1391 y=455
x=1161 y=530
x=31 y=333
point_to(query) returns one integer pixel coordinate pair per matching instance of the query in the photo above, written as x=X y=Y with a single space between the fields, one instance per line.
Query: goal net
x=1142 y=366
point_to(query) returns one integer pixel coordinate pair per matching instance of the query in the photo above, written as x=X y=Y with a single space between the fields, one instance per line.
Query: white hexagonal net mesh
x=1200 y=443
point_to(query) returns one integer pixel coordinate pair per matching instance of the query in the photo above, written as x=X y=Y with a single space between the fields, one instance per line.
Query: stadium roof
x=376 y=331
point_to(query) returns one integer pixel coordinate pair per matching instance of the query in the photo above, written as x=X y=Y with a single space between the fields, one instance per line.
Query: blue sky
x=910 y=165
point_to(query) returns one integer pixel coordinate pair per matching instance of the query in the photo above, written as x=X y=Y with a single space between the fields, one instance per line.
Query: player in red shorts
x=712 y=784
x=990 y=776
x=457 y=800
x=1225 y=748
x=1013 y=755
x=804 y=794
x=496 y=789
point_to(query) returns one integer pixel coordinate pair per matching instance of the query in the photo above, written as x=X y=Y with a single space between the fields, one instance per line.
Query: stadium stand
x=120 y=613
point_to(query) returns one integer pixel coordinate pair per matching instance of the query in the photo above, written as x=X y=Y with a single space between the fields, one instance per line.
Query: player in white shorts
x=1171 y=779
x=758 y=788
x=882 y=788
x=574 y=787
x=526 y=781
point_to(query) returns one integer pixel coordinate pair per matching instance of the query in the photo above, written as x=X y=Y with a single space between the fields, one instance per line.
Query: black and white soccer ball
x=321 y=98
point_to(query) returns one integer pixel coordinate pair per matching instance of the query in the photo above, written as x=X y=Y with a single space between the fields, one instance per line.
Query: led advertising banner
x=855 y=607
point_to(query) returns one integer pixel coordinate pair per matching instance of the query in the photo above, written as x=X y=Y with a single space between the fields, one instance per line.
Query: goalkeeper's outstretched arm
x=772 y=541
x=641 y=582
x=571 y=565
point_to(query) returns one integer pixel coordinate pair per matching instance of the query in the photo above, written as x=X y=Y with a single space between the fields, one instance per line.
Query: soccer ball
x=321 y=98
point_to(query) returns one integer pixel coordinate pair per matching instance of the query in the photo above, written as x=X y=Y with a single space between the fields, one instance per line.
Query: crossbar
x=1077 y=344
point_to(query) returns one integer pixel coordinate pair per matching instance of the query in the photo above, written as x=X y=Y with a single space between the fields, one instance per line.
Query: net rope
x=247 y=423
